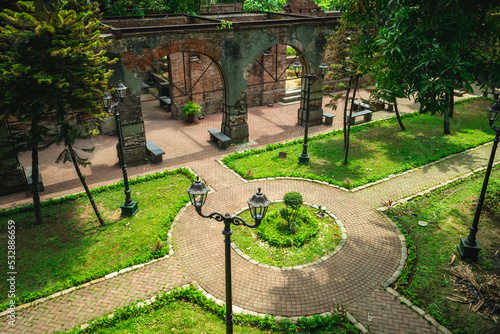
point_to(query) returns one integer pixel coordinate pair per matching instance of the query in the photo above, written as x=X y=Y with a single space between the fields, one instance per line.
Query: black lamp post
x=469 y=247
x=304 y=156
x=258 y=205
x=129 y=207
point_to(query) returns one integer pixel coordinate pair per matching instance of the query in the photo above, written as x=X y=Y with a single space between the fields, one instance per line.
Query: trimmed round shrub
x=277 y=232
x=293 y=199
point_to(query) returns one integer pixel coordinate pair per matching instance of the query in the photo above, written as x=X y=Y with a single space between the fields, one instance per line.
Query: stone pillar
x=234 y=121
x=134 y=136
x=12 y=177
x=315 y=104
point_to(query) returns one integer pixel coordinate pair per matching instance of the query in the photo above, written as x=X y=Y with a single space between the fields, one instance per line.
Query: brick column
x=234 y=120
x=315 y=104
x=134 y=136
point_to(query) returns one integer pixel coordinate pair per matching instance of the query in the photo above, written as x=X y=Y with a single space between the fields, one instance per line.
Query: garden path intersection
x=354 y=277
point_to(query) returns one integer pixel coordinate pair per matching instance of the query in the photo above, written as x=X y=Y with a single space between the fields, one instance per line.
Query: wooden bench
x=328 y=118
x=154 y=152
x=29 y=171
x=366 y=113
x=222 y=139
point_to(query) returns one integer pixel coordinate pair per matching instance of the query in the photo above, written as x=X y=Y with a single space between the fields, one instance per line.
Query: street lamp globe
x=494 y=112
x=258 y=205
x=323 y=67
x=297 y=66
x=121 y=89
x=198 y=192
x=107 y=101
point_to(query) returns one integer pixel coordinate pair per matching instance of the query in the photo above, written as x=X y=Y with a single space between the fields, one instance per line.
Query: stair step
x=287 y=99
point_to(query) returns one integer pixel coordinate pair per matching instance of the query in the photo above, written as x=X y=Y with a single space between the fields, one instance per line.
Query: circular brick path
x=370 y=256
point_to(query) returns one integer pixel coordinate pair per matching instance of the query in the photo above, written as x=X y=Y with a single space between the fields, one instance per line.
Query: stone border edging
x=240 y=310
x=418 y=310
x=341 y=244
x=110 y=275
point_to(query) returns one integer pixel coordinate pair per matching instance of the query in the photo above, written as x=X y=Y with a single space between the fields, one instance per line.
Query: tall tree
x=52 y=73
x=425 y=48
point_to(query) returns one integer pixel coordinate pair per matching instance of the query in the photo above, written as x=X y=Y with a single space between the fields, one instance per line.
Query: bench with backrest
x=217 y=136
x=155 y=153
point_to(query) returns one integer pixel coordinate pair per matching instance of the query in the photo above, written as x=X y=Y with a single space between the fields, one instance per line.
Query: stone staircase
x=291 y=97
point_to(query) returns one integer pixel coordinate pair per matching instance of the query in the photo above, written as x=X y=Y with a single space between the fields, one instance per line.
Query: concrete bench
x=164 y=100
x=328 y=118
x=217 y=136
x=29 y=171
x=366 y=113
x=154 y=152
x=359 y=104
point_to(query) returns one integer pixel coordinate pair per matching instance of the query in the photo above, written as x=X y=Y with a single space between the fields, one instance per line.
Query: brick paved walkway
x=352 y=277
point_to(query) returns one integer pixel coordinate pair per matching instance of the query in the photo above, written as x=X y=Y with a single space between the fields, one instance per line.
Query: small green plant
x=191 y=109
x=293 y=201
x=225 y=25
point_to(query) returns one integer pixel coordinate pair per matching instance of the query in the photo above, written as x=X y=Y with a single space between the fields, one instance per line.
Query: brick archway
x=185 y=45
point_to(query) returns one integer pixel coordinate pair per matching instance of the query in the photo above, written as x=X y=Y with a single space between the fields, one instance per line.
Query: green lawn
x=450 y=213
x=71 y=247
x=376 y=151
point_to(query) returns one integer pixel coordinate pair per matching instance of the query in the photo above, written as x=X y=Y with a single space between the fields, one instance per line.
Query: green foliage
x=426 y=50
x=293 y=199
x=278 y=233
x=263 y=5
x=336 y=323
x=191 y=109
x=492 y=198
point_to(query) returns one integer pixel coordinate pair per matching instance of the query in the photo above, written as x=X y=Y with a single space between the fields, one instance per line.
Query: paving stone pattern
x=352 y=277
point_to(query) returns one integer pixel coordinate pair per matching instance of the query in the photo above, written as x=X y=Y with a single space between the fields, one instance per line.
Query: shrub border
x=82 y=281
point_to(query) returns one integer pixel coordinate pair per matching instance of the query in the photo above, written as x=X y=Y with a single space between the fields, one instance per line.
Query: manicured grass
x=377 y=150
x=321 y=244
x=449 y=213
x=71 y=247
x=186 y=310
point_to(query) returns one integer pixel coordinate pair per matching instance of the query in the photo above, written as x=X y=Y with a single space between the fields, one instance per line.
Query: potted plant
x=191 y=109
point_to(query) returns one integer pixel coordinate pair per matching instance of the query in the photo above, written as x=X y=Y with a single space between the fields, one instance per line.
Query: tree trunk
x=398 y=116
x=349 y=123
x=84 y=183
x=447 y=116
x=452 y=102
x=35 y=191
x=345 y=110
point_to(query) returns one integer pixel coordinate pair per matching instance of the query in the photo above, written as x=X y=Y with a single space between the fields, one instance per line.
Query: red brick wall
x=258 y=91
